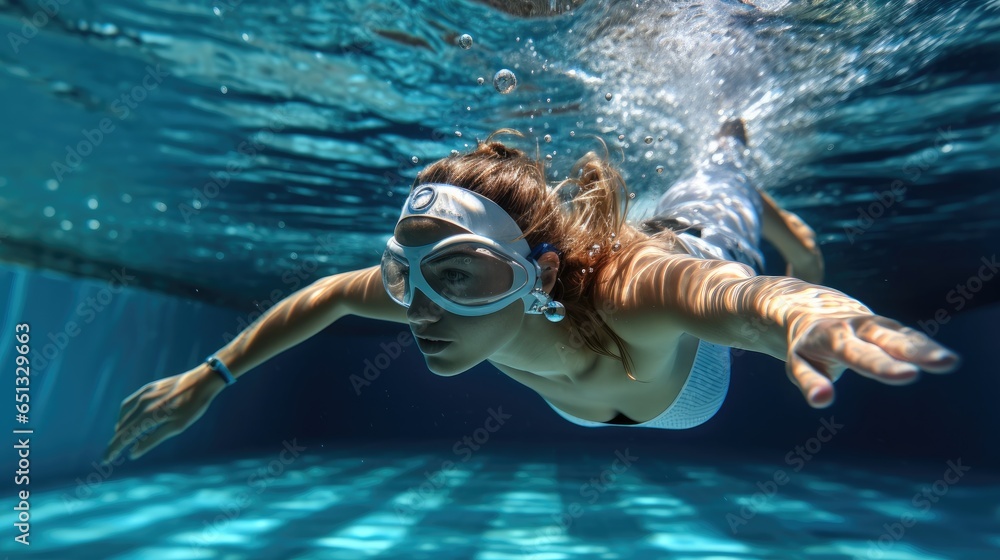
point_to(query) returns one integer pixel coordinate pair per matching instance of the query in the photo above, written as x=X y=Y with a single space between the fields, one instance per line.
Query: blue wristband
x=217 y=365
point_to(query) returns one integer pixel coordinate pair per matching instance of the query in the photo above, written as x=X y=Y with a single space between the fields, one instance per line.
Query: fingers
x=908 y=345
x=131 y=403
x=165 y=432
x=125 y=435
x=871 y=361
x=816 y=387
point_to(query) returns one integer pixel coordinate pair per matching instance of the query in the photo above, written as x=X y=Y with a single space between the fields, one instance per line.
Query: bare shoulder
x=623 y=297
x=639 y=292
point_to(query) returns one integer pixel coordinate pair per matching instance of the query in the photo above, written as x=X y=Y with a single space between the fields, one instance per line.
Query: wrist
x=216 y=364
x=207 y=379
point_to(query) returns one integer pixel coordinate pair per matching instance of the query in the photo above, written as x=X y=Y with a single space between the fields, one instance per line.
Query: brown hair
x=583 y=216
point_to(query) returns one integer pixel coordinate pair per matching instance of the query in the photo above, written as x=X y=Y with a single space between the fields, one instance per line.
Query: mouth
x=432 y=345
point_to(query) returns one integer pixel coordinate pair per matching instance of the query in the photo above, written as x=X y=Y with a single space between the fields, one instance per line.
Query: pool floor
x=436 y=500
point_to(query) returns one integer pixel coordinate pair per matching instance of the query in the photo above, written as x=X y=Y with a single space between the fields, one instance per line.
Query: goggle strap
x=543 y=248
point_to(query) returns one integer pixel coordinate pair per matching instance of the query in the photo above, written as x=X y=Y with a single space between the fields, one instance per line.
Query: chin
x=442 y=368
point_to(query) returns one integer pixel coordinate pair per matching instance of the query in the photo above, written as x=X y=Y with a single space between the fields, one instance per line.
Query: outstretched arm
x=818 y=331
x=164 y=408
x=308 y=311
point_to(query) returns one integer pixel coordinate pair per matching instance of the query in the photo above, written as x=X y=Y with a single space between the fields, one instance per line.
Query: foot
x=735 y=128
x=794 y=239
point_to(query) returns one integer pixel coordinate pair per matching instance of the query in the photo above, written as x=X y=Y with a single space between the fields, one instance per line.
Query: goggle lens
x=396 y=277
x=470 y=274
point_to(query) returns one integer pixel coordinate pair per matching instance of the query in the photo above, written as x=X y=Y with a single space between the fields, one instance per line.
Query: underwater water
x=170 y=170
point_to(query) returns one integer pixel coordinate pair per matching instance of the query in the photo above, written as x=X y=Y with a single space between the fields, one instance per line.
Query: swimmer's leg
x=795 y=240
x=718 y=206
x=716 y=211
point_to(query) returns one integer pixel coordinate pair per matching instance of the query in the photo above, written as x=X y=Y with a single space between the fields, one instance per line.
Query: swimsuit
x=698 y=400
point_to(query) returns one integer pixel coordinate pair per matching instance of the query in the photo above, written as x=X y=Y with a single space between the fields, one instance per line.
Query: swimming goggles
x=469 y=274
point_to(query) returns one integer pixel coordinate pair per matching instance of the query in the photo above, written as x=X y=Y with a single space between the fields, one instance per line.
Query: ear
x=549 y=263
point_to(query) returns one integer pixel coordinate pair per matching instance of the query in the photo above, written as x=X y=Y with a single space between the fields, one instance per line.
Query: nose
x=422 y=310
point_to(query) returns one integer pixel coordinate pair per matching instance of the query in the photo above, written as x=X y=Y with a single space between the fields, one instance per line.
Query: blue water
x=221 y=155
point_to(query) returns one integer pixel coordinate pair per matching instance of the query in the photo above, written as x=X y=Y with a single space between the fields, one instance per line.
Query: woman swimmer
x=609 y=323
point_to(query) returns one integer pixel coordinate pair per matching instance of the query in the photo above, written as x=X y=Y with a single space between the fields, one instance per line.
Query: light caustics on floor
x=389 y=502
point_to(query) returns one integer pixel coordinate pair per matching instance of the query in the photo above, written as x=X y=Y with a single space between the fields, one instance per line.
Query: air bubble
x=616 y=247
x=631 y=195
x=547 y=138
x=608 y=96
x=504 y=81
x=621 y=136
x=548 y=157
x=648 y=139
x=92 y=203
x=49 y=211
x=454 y=153
x=465 y=41
x=458 y=133
x=415 y=159
x=480 y=80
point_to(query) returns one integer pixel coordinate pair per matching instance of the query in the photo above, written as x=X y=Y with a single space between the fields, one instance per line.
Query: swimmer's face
x=466 y=341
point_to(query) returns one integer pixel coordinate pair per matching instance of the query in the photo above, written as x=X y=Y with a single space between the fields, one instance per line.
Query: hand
x=162 y=409
x=874 y=346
